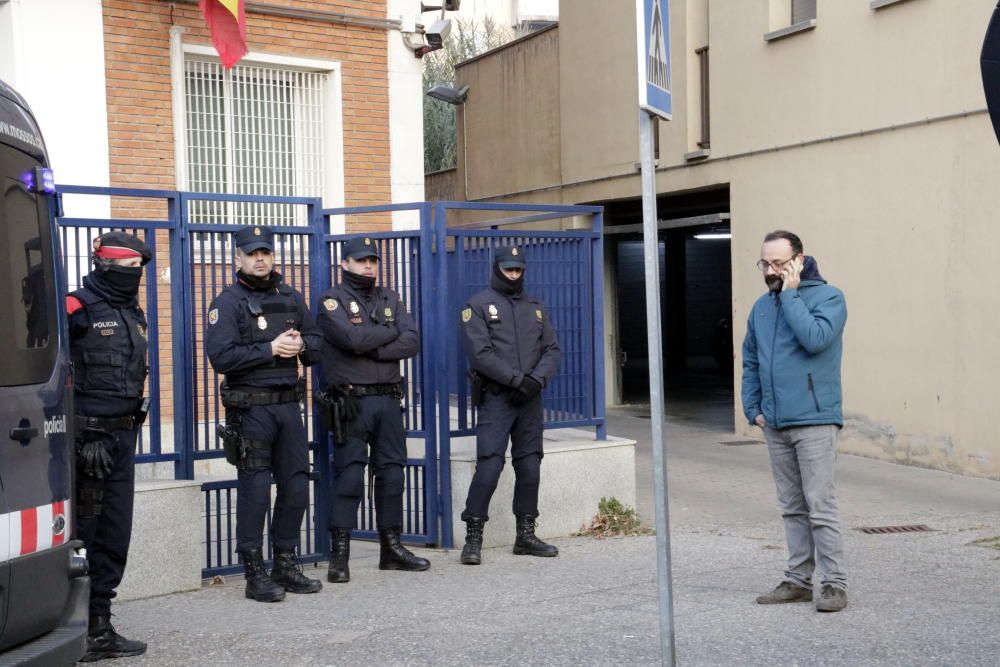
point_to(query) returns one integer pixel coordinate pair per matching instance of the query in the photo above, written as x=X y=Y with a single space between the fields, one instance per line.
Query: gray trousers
x=802 y=460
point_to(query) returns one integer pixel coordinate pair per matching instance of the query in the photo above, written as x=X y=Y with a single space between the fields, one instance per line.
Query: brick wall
x=140 y=114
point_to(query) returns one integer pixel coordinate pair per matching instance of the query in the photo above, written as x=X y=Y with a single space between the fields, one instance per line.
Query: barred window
x=255 y=130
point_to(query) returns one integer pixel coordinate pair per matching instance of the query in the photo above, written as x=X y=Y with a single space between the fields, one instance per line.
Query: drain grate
x=885 y=530
x=736 y=443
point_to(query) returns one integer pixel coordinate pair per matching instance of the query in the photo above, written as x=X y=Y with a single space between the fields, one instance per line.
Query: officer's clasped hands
x=288 y=344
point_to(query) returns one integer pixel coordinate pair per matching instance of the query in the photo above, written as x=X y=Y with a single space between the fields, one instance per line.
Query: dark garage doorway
x=696 y=306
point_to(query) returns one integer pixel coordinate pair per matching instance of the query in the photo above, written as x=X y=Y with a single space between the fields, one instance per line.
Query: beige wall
x=903 y=220
x=508 y=129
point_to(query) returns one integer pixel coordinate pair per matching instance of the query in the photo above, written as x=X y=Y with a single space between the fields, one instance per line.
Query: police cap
x=121 y=245
x=359 y=247
x=255 y=237
x=510 y=257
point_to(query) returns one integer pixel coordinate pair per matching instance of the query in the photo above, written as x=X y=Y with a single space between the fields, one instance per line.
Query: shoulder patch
x=330 y=304
x=466 y=314
x=213 y=316
x=73 y=304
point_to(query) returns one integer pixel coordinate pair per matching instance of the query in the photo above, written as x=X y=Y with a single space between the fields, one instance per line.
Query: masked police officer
x=258 y=330
x=108 y=347
x=513 y=354
x=368 y=331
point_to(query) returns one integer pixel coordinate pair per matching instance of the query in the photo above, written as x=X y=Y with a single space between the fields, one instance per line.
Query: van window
x=28 y=336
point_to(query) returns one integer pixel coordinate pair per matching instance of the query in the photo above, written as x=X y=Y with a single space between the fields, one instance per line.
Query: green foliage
x=991 y=542
x=613 y=519
x=467 y=39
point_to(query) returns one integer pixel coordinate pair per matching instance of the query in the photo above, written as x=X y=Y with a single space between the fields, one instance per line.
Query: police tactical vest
x=262 y=317
x=110 y=358
x=342 y=367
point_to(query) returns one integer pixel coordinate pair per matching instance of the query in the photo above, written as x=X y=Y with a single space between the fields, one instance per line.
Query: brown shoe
x=786 y=592
x=831 y=598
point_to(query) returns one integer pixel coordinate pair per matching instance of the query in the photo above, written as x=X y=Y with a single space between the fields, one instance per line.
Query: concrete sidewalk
x=915 y=599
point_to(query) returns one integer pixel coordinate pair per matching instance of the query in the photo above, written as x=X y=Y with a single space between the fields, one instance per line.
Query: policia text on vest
x=107 y=331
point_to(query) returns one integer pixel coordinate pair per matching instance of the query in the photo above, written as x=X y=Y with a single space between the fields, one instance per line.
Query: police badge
x=494 y=313
x=354 y=307
x=261 y=322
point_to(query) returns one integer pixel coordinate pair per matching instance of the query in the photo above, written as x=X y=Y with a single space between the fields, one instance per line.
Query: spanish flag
x=227 y=21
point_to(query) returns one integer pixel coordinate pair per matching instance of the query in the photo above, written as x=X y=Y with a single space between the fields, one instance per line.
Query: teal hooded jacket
x=792 y=352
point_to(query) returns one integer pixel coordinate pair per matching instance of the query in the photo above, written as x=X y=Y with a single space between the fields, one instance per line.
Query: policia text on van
x=44 y=589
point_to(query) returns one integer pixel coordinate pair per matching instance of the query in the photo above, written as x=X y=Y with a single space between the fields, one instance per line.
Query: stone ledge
x=165 y=554
x=576 y=472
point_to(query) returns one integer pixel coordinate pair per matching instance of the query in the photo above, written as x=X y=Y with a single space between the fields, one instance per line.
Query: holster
x=232 y=444
x=142 y=412
x=332 y=402
x=478 y=385
x=240 y=451
x=89 y=497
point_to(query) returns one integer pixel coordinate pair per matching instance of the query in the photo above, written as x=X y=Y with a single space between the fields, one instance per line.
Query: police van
x=44 y=589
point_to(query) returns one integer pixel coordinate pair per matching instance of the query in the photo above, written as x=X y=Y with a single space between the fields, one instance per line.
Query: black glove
x=529 y=387
x=94 y=459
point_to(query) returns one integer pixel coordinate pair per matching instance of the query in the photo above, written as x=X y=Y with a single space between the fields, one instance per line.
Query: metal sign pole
x=651 y=255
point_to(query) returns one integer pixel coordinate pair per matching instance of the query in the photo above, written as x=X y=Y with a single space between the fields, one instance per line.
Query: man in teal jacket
x=791 y=389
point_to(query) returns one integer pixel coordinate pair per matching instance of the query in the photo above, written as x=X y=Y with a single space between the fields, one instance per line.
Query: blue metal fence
x=434 y=268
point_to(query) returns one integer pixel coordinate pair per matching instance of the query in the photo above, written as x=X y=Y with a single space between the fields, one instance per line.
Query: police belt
x=247 y=396
x=127 y=423
x=392 y=389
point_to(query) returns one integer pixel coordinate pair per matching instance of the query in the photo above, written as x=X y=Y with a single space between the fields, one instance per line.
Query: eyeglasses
x=777 y=265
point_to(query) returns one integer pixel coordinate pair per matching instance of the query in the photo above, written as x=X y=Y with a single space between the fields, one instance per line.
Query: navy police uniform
x=513 y=354
x=367 y=332
x=108 y=347
x=261 y=394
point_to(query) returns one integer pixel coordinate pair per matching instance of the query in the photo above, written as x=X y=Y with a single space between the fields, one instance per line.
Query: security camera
x=437 y=33
x=448 y=6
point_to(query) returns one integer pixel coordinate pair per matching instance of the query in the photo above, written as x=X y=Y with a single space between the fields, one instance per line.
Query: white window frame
x=333 y=112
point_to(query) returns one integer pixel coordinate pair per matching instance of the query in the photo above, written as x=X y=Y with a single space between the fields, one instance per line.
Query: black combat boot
x=394 y=556
x=103 y=642
x=340 y=554
x=259 y=585
x=527 y=544
x=472 y=551
x=287 y=573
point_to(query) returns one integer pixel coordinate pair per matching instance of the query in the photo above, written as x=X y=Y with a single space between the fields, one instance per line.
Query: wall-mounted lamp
x=448 y=94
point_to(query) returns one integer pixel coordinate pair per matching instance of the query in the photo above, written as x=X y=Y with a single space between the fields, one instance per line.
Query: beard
x=774 y=283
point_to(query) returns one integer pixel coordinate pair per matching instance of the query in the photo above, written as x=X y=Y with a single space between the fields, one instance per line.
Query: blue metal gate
x=434 y=267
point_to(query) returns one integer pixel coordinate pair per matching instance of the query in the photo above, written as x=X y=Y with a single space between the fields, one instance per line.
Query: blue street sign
x=653 y=46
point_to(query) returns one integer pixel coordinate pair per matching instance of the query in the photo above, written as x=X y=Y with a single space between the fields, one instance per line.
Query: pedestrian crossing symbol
x=657 y=56
x=653 y=57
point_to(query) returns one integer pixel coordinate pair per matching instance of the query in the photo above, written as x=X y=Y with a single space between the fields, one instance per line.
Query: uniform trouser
x=281 y=425
x=104 y=519
x=497 y=420
x=380 y=424
x=802 y=460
